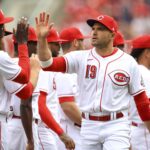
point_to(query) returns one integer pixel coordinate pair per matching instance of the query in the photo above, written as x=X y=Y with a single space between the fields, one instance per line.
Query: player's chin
x=94 y=43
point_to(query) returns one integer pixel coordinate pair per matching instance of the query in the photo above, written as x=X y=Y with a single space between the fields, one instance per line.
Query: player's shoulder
x=3 y=54
x=4 y=57
x=127 y=56
x=79 y=52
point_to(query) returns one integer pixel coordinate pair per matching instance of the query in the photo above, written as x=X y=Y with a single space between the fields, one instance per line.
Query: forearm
x=34 y=77
x=24 y=63
x=143 y=107
x=43 y=50
x=72 y=111
x=46 y=115
x=26 y=118
x=27 y=91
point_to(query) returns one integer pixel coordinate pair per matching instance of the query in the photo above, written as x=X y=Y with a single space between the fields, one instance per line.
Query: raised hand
x=69 y=143
x=21 y=33
x=42 y=25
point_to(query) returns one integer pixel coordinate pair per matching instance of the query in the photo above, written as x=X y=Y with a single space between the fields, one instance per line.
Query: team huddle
x=95 y=99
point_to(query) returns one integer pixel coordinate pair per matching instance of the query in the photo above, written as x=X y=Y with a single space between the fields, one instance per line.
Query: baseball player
x=54 y=40
x=107 y=79
x=48 y=103
x=15 y=127
x=140 y=136
x=11 y=71
x=67 y=88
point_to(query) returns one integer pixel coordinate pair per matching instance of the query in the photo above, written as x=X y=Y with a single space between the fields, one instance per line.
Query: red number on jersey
x=90 y=71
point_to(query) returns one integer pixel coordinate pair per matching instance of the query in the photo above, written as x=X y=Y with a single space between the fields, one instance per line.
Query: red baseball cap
x=53 y=36
x=31 y=34
x=141 y=42
x=106 y=20
x=69 y=34
x=4 y=19
x=118 y=39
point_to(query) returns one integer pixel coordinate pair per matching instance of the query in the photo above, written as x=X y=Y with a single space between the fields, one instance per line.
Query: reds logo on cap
x=119 y=77
x=100 y=17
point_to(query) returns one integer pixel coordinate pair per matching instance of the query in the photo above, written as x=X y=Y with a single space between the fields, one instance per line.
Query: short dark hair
x=137 y=52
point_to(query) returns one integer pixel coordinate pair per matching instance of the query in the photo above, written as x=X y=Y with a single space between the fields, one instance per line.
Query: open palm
x=42 y=25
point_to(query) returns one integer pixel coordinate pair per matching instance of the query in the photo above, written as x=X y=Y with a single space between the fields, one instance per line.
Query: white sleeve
x=43 y=81
x=136 y=85
x=73 y=59
x=13 y=87
x=65 y=85
x=8 y=68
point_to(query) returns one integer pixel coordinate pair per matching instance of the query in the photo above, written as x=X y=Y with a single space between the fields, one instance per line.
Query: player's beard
x=100 y=44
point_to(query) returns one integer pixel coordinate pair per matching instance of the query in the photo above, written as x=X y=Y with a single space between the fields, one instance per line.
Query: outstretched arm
x=42 y=29
x=47 y=62
x=21 y=35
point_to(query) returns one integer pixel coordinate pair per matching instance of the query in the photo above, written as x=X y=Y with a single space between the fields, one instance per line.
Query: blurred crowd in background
x=133 y=16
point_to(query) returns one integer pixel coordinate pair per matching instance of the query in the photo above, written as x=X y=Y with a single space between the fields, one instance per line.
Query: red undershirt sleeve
x=58 y=65
x=24 y=63
x=143 y=106
x=46 y=115
x=66 y=99
x=26 y=92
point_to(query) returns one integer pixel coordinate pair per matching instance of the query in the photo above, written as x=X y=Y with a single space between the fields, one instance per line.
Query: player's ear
x=113 y=35
x=75 y=43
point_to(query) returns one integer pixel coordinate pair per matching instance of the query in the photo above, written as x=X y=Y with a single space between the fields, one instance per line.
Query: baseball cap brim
x=8 y=33
x=91 y=22
x=6 y=20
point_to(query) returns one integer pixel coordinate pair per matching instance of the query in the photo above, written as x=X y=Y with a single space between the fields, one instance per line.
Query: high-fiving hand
x=21 y=33
x=42 y=25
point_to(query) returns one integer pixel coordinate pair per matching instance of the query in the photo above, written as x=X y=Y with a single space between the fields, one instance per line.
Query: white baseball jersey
x=8 y=71
x=104 y=82
x=66 y=86
x=46 y=82
x=134 y=116
x=8 y=68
